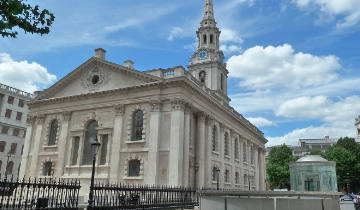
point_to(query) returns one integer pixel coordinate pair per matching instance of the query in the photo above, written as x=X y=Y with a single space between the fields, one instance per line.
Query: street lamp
x=218 y=179
x=7 y=164
x=95 y=145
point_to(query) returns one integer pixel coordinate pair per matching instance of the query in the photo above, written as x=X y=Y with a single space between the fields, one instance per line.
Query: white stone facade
x=13 y=113
x=175 y=146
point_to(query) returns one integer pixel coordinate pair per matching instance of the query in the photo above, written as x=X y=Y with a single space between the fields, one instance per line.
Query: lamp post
x=95 y=145
x=217 y=178
x=7 y=164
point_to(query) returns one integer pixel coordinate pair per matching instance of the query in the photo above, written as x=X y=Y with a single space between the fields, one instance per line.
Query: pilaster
x=33 y=169
x=116 y=143
x=200 y=154
x=187 y=134
x=176 y=142
x=63 y=140
x=153 y=155
x=26 y=158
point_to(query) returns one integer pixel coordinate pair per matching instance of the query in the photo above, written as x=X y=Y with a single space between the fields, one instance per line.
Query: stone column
x=34 y=168
x=210 y=123
x=222 y=156
x=62 y=148
x=262 y=176
x=200 y=150
x=116 y=143
x=154 y=135
x=26 y=159
x=186 y=180
x=176 y=142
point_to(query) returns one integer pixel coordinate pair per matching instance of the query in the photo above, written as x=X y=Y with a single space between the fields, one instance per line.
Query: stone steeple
x=207 y=63
x=208 y=13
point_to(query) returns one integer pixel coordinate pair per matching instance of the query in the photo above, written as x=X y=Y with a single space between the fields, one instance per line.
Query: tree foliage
x=277 y=168
x=17 y=14
x=346 y=155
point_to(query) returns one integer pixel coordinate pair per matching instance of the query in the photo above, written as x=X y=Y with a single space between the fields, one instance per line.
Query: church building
x=165 y=126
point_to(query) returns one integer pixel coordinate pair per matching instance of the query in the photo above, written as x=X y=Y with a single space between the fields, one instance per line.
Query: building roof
x=312 y=158
x=323 y=141
x=14 y=91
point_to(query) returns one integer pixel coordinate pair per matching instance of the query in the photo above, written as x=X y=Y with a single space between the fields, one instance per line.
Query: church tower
x=207 y=63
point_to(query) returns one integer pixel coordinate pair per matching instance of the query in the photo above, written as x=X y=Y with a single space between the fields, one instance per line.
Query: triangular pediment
x=96 y=75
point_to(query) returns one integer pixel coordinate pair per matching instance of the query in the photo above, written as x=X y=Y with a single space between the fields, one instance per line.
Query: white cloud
x=337 y=117
x=260 y=121
x=230 y=41
x=228 y=35
x=175 y=32
x=230 y=48
x=348 y=9
x=261 y=67
x=22 y=74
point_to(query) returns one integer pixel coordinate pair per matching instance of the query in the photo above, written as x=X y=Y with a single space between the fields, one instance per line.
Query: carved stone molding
x=155 y=105
x=201 y=116
x=66 y=115
x=30 y=119
x=95 y=78
x=178 y=104
x=40 y=119
x=119 y=109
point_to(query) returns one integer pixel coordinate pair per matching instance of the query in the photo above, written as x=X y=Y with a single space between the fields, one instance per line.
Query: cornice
x=183 y=81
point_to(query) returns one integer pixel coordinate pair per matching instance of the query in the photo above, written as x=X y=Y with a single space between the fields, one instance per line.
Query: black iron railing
x=38 y=194
x=143 y=197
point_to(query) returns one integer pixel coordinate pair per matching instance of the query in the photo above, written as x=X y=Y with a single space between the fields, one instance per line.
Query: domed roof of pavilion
x=312 y=158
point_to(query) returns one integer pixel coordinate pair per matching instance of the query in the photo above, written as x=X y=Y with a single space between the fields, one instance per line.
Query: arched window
x=214 y=138
x=134 y=168
x=48 y=168
x=53 y=132
x=204 y=39
x=90 y=135
x=227 y=175
x=211 y=38
x=137 y=125
x=226 y=142
x=214 y=173
x=237 y=178
x=222 y=81
x=244 y=152
x=202 y=76
x=252 y=155
x=245 y=179
x=9 y=168
x=236 y=150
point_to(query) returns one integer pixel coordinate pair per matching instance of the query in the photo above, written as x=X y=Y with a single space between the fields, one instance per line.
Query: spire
x=208 y=10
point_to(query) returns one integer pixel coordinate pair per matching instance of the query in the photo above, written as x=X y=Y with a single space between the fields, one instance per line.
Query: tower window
x=204 y=39
x=211 y=39
x=202 y=76
x=222 y=82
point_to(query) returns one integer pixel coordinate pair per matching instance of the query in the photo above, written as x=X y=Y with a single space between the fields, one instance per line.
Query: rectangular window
x=18 y=116
x=10 y=99
x=75 y=150
x=2 y=146
x=21 y=103
x=4 y=130
x=8 y=113
x=13 y=148
x=104 y=142
x=16 y=132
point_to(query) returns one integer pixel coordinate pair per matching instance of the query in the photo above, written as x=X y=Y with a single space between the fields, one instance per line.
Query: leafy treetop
x=15 y=13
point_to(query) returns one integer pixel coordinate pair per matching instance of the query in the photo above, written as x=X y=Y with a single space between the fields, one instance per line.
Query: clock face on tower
x=203 y=54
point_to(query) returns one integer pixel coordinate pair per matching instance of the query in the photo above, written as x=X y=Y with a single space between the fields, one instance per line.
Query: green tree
x=347 y=163
x=17 y=14
x=277 y=168
x=350 y=145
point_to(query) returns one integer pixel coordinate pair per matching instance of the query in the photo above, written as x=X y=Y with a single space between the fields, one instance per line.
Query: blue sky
x=294 y=64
